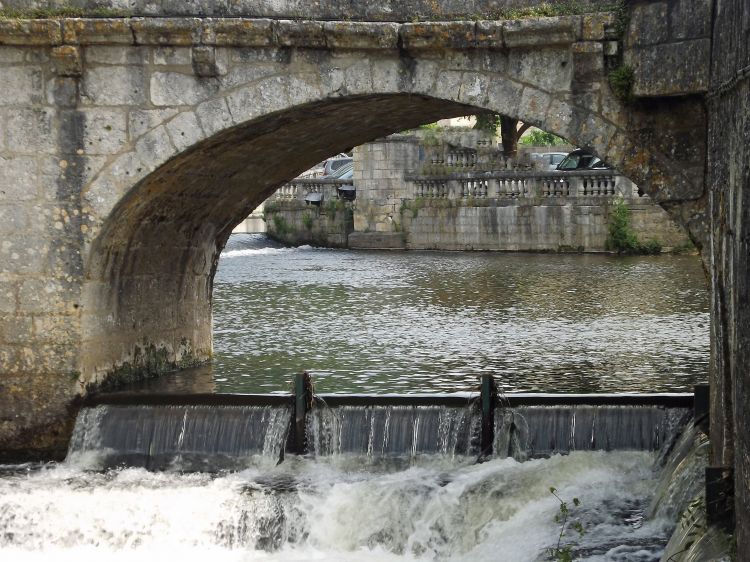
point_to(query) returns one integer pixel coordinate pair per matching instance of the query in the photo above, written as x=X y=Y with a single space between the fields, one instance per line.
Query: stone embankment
x=475 y=202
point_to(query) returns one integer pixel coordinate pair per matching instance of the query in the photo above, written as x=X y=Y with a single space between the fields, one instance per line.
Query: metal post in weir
x=489 y=402
x=303 y=399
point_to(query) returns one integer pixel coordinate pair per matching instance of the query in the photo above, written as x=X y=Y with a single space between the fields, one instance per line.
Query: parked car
x=333 y=164
x=344 y=172
x=581 y=159
x=548 y=160
x=347 y=191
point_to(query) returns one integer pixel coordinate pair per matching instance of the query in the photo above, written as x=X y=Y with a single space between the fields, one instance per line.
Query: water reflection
x=430 y=321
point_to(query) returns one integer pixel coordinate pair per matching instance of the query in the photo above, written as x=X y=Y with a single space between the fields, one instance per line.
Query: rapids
x=336 y=508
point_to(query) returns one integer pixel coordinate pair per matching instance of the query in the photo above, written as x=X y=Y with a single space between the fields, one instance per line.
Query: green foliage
x=280 y=225
x=622 y=17
x=537 y=137
x=487 y=122
x=650 y=247
x=559 y=552
x=417 y=204
x=621 y=80
x=307 y=220
x=334 y=206
x=621 y=238
x=431 y=136
x=61 y=12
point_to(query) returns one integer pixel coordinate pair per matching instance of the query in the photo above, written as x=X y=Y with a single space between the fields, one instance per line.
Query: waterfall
x=206 y=438
x=380 y=431
x=538 y=431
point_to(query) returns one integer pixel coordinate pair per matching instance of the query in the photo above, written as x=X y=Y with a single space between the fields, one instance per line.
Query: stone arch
x=211 y=151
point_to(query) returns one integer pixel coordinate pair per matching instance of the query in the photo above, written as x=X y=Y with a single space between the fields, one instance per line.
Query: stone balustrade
x=522 y=184
x=298 y=189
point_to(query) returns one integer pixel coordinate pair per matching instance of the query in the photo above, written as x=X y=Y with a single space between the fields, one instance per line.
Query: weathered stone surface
x=442 y=35
x=98 y=31
x=120 y=85
x=308 y=34
x=238 y=33
x=166 y=31
x=648 y=24
x=66 y=60
x=352 y=35
x=214 y=116
x=729 y=187
x=108 y=54
x=489 y=35
x=184 y=130
x=30 y=32
x=22 y=85
x=541 y=31
x=32 y=130
x=175 y=88
x=204 y=62
x=174 y=56
x=105 y=130
x=595 y=26
x=588 y=62
x=690 y=20
x=671 y=68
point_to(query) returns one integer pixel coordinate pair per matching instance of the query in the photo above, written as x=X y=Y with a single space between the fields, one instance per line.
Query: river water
x=379 y=323
x=432 y=321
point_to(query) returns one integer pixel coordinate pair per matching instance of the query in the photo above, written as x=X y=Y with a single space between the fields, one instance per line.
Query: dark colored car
x=581 y=160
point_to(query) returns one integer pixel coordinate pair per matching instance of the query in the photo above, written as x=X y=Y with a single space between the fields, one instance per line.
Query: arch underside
x=152 y=265
x=147 y=293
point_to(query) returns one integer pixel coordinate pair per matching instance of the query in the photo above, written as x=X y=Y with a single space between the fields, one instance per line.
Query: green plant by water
x=560 y=552
x=621 y=237
x=280 y=225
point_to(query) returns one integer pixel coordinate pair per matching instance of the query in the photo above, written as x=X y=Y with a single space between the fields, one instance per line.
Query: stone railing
x=298 y=189
x=522 y=184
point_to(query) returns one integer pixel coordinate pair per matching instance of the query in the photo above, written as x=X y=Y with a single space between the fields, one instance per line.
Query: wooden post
x=489 y=401
x=302 y=402
x=701 y=406
x=720 y=497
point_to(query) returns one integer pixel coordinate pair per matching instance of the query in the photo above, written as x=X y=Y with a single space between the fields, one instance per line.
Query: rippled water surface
x=433 y=321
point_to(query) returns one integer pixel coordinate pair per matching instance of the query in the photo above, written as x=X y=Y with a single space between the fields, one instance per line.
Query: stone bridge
x=130 y=146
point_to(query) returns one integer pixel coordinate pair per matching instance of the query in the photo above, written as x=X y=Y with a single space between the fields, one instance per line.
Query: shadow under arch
x=149 y=275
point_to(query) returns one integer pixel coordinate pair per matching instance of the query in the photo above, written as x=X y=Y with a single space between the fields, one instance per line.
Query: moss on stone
x=621 y=80
x=149 y=361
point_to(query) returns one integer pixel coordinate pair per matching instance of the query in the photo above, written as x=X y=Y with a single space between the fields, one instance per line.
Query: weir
x=209 y=432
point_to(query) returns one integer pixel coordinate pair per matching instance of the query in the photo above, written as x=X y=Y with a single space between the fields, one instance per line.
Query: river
x=380 y=322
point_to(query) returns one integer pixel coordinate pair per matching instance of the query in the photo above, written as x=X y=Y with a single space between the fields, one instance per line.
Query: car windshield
x=570 y=162
x=556 y=158
x=577 y=161
x=343 y=170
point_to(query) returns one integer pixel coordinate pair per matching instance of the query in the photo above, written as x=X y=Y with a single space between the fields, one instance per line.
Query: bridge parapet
x=264 y=32
x=357 y=10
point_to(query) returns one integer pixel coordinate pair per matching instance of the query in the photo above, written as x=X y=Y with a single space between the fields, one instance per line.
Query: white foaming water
x=264 y=251
x=338 y=509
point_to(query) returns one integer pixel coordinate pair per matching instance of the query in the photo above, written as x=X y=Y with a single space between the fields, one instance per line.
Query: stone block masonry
x=130 y=147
